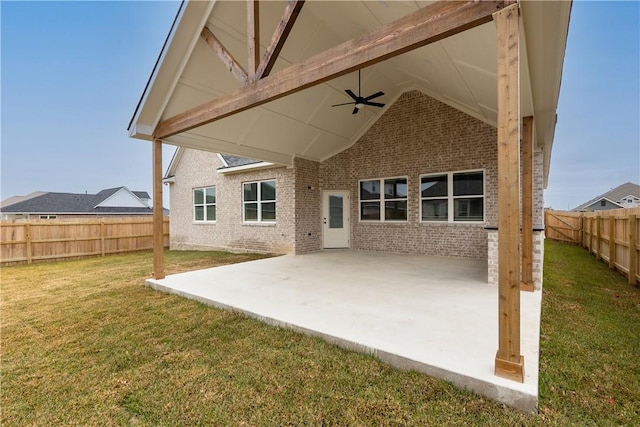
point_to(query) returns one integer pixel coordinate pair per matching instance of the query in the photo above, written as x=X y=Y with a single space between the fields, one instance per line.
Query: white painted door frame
x=336 y=219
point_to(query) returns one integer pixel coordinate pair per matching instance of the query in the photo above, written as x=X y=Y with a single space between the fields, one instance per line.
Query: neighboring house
x=119 y=201
x=463 y=94
x=626 y=195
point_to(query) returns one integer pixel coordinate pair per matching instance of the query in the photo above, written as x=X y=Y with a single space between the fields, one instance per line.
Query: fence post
x=28 y=238
x=581 y=230
x=599 y=237
x=633 y=250
x=102 y=248
x=612 y=241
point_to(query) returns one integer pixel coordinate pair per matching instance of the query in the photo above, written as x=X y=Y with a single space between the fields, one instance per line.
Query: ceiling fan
x=360 y=101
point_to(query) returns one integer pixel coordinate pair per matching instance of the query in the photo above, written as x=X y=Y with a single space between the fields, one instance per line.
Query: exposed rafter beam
x=253 y=37
x=279 y=37
x=427 y=25
x=229 y=61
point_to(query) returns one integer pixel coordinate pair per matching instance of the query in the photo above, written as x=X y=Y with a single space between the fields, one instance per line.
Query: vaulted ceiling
x=459 y=70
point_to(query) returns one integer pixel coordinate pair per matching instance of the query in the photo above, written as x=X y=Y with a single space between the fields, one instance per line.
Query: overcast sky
x=72 y=74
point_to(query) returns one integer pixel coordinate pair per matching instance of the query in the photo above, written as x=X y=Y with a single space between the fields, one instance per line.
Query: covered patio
x=431 y=314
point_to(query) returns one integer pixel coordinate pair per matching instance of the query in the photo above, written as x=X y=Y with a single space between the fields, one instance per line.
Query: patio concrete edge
x=518 y=399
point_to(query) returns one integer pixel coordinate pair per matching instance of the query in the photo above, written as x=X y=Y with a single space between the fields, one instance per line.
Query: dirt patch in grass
x=85 y=343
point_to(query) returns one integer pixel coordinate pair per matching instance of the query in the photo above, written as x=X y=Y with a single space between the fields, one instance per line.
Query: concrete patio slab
x=432 y=314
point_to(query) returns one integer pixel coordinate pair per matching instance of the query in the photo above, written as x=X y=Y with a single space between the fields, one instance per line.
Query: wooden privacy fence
x=41 y=240
x=612 y=236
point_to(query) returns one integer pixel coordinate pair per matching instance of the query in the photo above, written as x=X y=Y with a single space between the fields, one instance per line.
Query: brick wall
x=199 y=169
x=308 y=231
x=418 y=135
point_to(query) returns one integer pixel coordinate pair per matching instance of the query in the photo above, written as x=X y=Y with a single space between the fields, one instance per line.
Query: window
x=452 y=197
x=383 y=199
x=259 y=200
x=48 y=216
x=603 y=203
x=204 y=204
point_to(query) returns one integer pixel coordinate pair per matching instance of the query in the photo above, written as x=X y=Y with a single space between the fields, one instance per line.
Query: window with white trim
x=204 y=204
x=383 y=199
x=259 y=201
x=452 y=197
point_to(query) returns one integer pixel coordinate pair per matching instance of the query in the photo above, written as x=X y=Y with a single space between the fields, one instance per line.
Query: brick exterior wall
x=199 y=169
x=308 y=228
x=418 y=135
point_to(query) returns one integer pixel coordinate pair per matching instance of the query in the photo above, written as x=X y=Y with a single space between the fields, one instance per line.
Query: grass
x=85 y=343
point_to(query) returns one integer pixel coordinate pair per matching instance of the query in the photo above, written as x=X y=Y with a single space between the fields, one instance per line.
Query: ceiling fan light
x=359 y=105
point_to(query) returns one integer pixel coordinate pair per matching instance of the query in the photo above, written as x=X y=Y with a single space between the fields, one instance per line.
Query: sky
x=72 y=74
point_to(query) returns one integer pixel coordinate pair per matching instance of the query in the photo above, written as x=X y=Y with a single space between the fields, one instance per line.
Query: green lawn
x=85 y=343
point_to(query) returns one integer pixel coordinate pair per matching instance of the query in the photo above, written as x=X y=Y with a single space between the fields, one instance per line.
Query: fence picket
x=77 y=238
x=585 y=229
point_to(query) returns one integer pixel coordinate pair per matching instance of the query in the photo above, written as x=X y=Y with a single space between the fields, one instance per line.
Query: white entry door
x=336 y=229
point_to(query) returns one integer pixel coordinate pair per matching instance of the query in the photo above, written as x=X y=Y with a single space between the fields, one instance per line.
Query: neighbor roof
x=614 y=195
x=72 y=203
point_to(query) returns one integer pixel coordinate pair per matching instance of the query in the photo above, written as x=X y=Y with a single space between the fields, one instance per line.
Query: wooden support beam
x=225 y=56
x=509 y=363
x=279 y=37
x=158 y=227
x=427 y=25
x=253 y=37
x=526 y=283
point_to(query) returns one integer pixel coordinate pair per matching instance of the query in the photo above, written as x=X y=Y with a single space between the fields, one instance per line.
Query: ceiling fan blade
x=374 y=104
x=346 y=103
x=375 y=95
x=355 y=111
x=351 y=94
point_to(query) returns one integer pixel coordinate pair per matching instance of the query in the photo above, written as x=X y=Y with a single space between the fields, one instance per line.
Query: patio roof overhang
x=457 y=69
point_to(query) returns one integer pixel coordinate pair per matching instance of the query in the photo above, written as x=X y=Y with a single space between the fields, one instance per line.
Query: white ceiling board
x=476 y=46
x=189 y=140
x=278 y=133
x=231 y=129
x=206 y=68
x=483 y=84
x=388 y=11
x=324 y=145
x=302 y=105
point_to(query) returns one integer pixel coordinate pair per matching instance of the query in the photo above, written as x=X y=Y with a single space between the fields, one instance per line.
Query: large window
x=452 y=197
x=383 y=199
x=204 y=204
x=259 y=200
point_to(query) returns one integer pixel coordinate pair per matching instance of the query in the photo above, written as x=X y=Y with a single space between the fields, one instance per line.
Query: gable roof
x=234 y=161
x=614 y=195
x=459 y=70
x=72 y=203
x=15 y=199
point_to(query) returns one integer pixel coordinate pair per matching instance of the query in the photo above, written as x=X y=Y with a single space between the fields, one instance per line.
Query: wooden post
x=28 y=238
x=591 y=235
x=102 y=248
x=158 y=227
x=509 y=363
x=526 y=283
x=253 y=37
x=612 y=241
x=633 y=249
x=582 y=242
x=599 y=237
